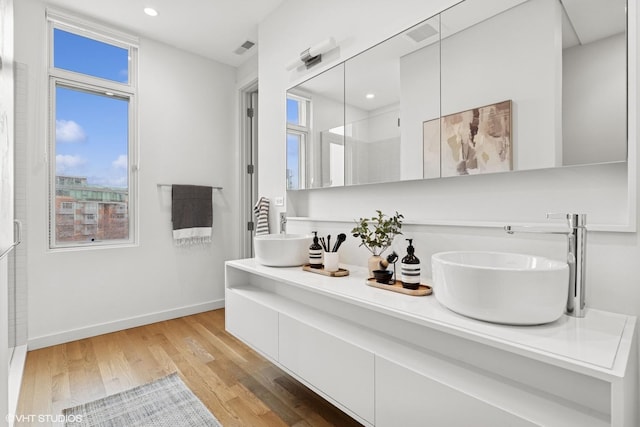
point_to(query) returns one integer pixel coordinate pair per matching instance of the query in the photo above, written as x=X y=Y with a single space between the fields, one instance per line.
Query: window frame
x=303 y=132
x=98 y=86
x=302 y=155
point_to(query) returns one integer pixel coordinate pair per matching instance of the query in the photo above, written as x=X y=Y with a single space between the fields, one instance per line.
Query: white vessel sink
x=282 y=250
x=500 y=287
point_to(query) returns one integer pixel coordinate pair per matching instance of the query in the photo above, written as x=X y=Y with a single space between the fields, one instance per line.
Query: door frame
x=248 y=156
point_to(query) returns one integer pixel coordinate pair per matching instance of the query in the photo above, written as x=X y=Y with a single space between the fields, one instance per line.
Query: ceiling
x=596 y=19
x=210 y=28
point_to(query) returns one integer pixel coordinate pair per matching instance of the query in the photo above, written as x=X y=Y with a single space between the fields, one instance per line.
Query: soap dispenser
x=410 y=268
x=315 y=253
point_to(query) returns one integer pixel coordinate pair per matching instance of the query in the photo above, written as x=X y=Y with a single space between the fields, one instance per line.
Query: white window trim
x=306 y=114
x=85 y=28
x=302 y=155
x=305 y=131
x=92 y=29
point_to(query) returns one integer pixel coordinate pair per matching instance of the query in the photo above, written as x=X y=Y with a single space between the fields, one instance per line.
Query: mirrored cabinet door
x=501 y=70
x=594 y=81
x=532 y=85
x=315 y=132
x=390 y=91
x=483 y=87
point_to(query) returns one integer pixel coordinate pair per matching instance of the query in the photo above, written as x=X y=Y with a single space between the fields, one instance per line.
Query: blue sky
x=91 y=129
x=292 y=143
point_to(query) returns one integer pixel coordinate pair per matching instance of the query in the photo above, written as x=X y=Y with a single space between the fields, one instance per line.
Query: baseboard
x=119 y=325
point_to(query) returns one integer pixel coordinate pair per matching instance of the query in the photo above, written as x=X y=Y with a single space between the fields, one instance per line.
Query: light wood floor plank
x=238 y=385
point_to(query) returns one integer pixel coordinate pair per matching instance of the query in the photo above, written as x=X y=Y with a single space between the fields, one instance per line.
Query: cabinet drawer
x=335 y=367
x=252 y=322
x=406 y=398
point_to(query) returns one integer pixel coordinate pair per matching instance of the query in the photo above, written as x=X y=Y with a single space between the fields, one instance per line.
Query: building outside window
x=93 y=139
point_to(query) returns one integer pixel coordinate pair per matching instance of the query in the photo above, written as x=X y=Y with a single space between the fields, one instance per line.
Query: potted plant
x=377 y=234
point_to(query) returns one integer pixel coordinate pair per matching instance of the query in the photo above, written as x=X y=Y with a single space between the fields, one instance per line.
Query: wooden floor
x=238 y=386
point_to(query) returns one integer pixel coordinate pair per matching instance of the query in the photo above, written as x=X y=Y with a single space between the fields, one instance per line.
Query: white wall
x=247 y=72
x=613 y=273
x=187 y=136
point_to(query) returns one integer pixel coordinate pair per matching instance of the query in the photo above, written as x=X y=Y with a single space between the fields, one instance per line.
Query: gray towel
x=261 y=210
x=191 y=214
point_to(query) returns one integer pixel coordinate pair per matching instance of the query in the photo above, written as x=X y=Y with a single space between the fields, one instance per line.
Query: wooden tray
x=397 y=287
x=340 y=273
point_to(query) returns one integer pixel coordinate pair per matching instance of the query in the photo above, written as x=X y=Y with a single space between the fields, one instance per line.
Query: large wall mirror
x=482 y=87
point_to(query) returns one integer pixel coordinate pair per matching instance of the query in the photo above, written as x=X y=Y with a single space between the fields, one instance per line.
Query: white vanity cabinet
x=389 y=359
x=336 y=367
x=253 y=323
x=407 y=398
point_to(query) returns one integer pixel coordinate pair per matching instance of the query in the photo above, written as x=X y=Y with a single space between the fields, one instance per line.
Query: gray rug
x=164 y=402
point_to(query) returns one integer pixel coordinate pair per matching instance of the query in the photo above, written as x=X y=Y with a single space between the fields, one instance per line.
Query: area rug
x=164 y=402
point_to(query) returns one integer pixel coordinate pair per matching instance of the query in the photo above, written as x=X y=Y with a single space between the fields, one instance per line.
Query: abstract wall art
x=477 y=141
x=474 y=141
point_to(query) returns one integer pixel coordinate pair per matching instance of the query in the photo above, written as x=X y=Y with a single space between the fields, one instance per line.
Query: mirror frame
x=633 y=98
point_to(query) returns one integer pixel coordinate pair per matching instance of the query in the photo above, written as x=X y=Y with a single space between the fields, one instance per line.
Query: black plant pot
x=382 y=276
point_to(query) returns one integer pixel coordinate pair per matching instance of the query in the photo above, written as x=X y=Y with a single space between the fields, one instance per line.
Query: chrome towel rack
x=170 y=185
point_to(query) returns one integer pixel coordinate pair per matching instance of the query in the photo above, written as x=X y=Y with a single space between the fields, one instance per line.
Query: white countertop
x=598 y=342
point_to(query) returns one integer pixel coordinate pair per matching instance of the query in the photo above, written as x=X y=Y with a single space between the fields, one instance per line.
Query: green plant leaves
x=377 y=233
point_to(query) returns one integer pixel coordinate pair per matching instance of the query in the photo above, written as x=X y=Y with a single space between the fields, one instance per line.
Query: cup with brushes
x=323 y=255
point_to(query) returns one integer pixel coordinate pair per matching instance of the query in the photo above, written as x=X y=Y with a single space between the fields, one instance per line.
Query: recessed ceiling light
x=109 y=93
x=370 y=95
x=150 y=11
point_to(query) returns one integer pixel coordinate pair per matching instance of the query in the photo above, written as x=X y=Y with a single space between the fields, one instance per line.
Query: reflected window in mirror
x=297 y=137
x=315 y=132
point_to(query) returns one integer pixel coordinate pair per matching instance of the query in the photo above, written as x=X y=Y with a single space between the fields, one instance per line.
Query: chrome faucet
x=283 y=223
x=576 y=256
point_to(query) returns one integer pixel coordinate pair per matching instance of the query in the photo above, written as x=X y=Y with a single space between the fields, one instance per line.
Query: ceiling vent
x=244 y=47
x=421 y=33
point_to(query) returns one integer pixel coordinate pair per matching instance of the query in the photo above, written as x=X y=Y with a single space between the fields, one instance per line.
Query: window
x=88 y=56
x=297 y=140
x=93 y=142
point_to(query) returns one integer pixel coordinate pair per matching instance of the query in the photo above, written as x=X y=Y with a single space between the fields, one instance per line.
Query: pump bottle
x=410 y=268
x=315 y=253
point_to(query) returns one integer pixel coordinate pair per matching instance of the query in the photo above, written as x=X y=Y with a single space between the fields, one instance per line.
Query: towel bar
x=169 y=185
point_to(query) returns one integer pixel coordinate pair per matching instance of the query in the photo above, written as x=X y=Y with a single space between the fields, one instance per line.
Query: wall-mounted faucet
x=576 y=256
x=283 y=223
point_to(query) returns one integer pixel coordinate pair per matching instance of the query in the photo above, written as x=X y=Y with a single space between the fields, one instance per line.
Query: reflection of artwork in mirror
x=477 y=141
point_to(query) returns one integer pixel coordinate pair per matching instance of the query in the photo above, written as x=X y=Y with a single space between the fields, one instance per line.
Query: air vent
x=421 y=33
x=244 y=47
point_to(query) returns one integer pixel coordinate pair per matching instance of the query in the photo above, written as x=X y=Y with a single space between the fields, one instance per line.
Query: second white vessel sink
x=282 y=250
x=501 y=287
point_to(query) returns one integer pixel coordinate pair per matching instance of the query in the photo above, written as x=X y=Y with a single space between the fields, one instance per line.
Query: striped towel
x=261 y=211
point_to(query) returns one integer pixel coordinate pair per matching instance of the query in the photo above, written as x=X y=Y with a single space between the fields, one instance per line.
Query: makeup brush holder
x=331 y=261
